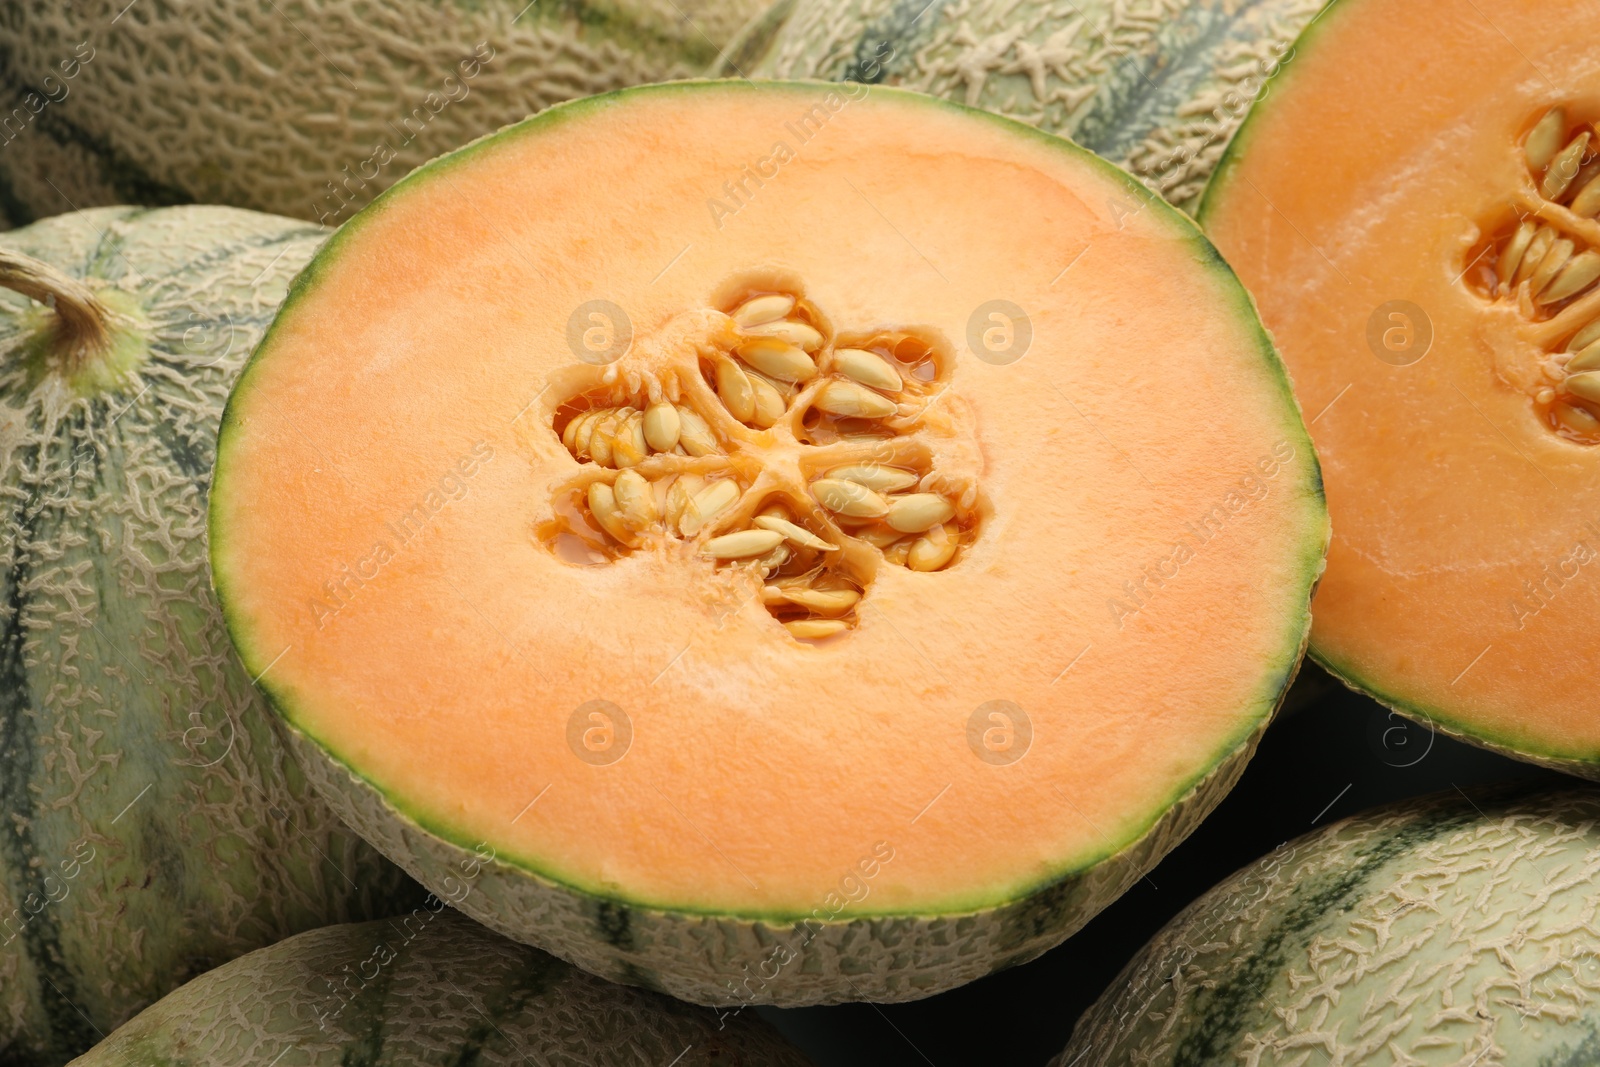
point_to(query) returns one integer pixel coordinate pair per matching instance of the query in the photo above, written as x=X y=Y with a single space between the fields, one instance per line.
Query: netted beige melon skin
x=262 y=105
x=1450 y=930
x=1156 y=86
x=728 y=961
x=429 y=989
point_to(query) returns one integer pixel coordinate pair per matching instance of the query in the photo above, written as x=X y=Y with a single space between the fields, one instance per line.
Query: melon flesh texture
x=769 y=780
x=428 y=989
x=1447 y=930
x=1460 y=585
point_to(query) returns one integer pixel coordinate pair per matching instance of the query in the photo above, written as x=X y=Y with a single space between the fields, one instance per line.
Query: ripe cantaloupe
x=427 y=989
x=786 y=570
x=1413 y=206
x=306 y=108
x=1156 y=86
x=154 y=827
x=1447 y=930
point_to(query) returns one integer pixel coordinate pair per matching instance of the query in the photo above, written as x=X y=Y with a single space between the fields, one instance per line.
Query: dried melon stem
x=91 y=339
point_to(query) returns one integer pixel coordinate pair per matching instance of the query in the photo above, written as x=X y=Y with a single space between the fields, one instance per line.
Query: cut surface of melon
x=991 y=599
x=1413 y=207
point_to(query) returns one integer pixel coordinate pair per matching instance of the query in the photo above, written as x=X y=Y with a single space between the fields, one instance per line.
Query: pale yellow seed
x=661 y=426
x=733 y=387
x=792 y=532
x=1579 y=273
x=695 y=435
x=583 y=435
x=763 y=309
x=1511 y=258
x=898 y=553
x=677 y=502
x=1564 y=167
x=635 y=499
x=1585 y=359
x=916 y=512
x=1577 y=419
x=933 y=549
x=876 y=477
x=878 y=536
x=1587 y=203
x=569 y=433
x=779 y=358
x=775 y=510
x=603 y=506
x=1585 y=385
x=796 y=333
x=815 y=629
x=1536 y=249
x=853 y=401
x=743 y=544
x=1544 y=140
x=600 y=436
x=1585 y=337
x=628 y=447
x=822 y=601
x=868 y=368
x=849 y=498
x=1550 y=266
x=769 y=403
x=706 y=505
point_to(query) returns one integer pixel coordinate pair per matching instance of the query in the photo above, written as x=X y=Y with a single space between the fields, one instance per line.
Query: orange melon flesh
x=1387 y=163
x=425 y=352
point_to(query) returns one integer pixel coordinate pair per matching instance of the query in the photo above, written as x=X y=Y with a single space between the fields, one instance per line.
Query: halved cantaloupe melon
x=1413 y=205
x=770 y=542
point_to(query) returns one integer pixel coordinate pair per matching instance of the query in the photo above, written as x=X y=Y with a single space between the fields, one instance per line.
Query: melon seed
x=1587 y=203
x=635 y=499
x=932 y=550
x=769 y=403
x=1564 y=167
x=706 y=505
x=779 y=358
x=798 y=534
x=916 y=512
x=1511 y=258
x=1585 y=385
x=661 y=426
x=677 y=502
x=821 y=601
x=1579 y=273
x=1545 y=138
x=898 y=553
x=795 y=333
x=853 y=401
x=1553 y=261
x=1577 y=419
x=733 y=387
x=1585 y=337
x=583 y=436
x=849 y=498
x=742 y=544
x=628 y=447
x=694 y=434
x=868 y=368
x=814 y=629
x=1585 y=359
x=763 y=309
x=878 y=536
x=876 y=477
x=1536 y=250
x=600 y=437
x=603 y=506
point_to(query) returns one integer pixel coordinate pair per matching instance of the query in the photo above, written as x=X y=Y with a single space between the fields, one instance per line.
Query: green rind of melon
x=154 y=825
x=706 y=956
x=1525 y=745
x=429 y=989
x=1437 y=929
x=171 y=108
x=1159 y=91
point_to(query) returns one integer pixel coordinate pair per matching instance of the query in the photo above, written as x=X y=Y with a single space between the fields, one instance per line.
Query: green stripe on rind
x=1032 y=916
x=1526 y=747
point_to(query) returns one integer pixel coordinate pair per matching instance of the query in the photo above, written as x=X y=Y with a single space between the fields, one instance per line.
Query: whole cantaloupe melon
x=306 y=108
x=153 y=825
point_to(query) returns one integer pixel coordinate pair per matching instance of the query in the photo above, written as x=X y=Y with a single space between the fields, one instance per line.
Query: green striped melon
x=307 y=108
x=154 y=826
x=428 y=989
x=1156 y=86
x=1447 y=930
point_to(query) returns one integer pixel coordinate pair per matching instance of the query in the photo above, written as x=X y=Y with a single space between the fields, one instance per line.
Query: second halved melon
x=768 y=542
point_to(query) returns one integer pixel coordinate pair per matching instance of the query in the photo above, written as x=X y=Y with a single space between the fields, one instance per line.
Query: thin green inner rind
x=1207 y=255
x=1514 y=743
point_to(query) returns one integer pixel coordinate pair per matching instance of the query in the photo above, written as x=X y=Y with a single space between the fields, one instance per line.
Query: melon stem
x=84 y=338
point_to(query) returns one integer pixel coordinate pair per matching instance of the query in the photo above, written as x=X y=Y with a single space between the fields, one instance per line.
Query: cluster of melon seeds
x=1547 y=265
x=786 y=450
